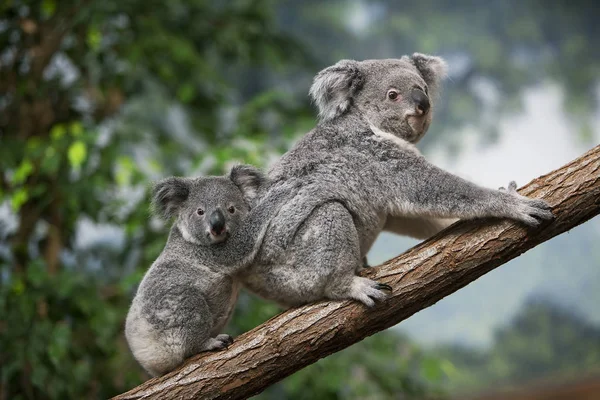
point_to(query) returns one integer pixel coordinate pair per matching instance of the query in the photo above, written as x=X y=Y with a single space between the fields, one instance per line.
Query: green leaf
x=431 y=369
x=48 y=8
x=37 y=274
x=19 y=198
x=51 y=161
x=59 y=344
x=125 y=169
x=76 y=128
x=77 y=154
x=18 y=287
x=94 y=38
x=58 y=131
x=24 y=170
x=186 y=93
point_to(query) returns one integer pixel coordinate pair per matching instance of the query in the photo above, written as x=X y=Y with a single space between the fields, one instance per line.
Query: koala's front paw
x=529 y=211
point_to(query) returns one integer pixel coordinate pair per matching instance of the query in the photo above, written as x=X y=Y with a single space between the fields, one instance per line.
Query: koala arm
x=295 y=200
x=240 y=249
x=418 y=228
x=419 y=188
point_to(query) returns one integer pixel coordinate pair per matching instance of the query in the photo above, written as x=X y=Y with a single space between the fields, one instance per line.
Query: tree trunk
x=420 y=277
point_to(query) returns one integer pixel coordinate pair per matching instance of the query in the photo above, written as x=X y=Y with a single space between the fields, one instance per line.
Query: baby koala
x=185 y=300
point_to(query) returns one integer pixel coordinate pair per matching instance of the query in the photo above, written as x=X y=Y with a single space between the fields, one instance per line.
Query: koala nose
x=421 y=100
x=216 y=222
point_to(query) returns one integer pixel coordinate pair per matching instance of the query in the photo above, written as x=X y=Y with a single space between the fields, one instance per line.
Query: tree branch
x=420 y=277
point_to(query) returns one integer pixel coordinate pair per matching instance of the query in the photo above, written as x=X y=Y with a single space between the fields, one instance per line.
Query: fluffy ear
x=168 y=195
x=432 y=69
x=334 y=87
x=249 y=179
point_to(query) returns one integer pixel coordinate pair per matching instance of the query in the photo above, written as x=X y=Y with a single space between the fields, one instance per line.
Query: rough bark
x=420 y=277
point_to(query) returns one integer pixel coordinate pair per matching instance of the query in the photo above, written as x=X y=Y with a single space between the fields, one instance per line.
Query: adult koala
x=362 y=156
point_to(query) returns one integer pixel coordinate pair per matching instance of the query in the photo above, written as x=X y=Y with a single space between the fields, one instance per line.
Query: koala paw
x=529 y=211
x=219 y=342
x=512 y=188
x=368 y=291
x=223 y=337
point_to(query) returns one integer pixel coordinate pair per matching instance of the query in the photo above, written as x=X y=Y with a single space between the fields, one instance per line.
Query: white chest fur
x=401 y=143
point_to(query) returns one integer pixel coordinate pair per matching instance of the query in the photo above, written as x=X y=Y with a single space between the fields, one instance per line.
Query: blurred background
x=99 y=98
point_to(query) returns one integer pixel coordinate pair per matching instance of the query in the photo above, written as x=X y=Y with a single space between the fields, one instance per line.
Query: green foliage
x=98 y=98
x=61 y=335
x=80 y=142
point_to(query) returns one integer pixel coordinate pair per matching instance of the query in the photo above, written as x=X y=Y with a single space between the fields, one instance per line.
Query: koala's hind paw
x=219 y=342
x=367 y=291
x=225 y=338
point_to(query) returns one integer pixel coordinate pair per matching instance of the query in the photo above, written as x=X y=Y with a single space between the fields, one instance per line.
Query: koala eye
x=231 y=209
x=392 y=94
x=200 y=211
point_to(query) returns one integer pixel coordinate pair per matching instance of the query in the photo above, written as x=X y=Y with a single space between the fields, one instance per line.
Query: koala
x=362 y=157
x=185 y=299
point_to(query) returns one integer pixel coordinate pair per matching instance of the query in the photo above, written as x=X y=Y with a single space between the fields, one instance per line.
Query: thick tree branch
x=420 y=277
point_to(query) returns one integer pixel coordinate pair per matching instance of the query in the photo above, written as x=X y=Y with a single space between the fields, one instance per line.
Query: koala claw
x=536 y=211
x=383 y=286
x=529 y=211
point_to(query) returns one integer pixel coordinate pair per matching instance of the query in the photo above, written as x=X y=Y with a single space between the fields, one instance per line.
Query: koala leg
x=163 y=331
x=336 y=251
x=320 y=262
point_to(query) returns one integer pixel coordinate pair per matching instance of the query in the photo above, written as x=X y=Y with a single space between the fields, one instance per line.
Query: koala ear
x=432 y=69
x=249 y=180
x=168 y=195
x=334 y=87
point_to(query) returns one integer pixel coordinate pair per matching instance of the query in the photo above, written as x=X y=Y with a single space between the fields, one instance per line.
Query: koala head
x=208 y=209
x=393 y=95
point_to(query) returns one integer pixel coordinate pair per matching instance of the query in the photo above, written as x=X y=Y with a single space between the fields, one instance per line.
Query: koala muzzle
x=216 y=222
x=421 y=101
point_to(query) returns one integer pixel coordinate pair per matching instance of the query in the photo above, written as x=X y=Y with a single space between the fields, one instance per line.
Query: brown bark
x=420 y=277
x=54 y=242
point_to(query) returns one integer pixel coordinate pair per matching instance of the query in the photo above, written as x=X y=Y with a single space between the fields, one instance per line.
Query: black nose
x=216 y=222
x=421 y=100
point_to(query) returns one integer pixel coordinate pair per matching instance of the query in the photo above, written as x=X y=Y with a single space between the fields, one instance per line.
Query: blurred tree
x=90 y=96
x=496 y=50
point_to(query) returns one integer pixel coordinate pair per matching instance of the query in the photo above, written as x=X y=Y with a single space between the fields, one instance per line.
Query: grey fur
x=188 y=294
x=362 y=158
